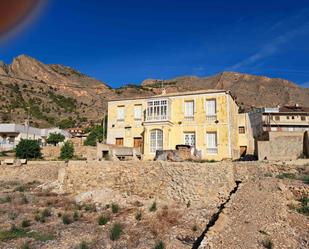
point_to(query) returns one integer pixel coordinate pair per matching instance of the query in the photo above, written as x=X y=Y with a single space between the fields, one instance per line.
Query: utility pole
x=28 y=117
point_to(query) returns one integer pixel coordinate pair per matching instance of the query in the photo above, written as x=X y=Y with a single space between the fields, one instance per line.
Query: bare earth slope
x=56 y=92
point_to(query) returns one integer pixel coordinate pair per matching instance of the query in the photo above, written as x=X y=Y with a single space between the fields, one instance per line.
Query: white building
x=11 y=134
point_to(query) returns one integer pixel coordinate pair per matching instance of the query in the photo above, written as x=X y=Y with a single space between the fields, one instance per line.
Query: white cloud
x=272 y=47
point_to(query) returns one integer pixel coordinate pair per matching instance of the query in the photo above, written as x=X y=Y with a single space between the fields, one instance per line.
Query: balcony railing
x=212 y=150
x=211 y=118
x=189 y=118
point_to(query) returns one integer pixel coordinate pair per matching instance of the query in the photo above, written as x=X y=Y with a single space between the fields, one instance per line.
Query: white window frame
x=157 y=110
x=120 y=115
x=211 y=116
x=212 y=149
x=189 y=113
x=190 y=134
x=154 y=146
x=138 y=112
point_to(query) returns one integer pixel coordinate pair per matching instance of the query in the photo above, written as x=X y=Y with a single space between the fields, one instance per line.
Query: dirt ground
x=268 y=210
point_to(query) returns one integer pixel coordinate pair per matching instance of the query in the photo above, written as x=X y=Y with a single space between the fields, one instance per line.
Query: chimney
x=163 y=91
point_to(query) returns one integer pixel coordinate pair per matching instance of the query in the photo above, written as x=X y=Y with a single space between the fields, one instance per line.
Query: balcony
x=189 y=118
x=158 y=110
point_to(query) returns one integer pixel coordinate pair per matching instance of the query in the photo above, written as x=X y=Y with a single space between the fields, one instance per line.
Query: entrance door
x=243 y=151
x=119 y=141
x=137 y=142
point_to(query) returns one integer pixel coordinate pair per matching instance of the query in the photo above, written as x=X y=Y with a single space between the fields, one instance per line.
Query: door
x=243 y=151
x=137 y=142
x=119 y=141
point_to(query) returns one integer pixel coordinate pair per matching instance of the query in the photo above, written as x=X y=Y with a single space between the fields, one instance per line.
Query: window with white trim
x=189 y=108
x=157 y=110
x=156 y=140
x=211 y=109
x=120 y=113
x=211 y=140
x=189 y=138
x=137 y=112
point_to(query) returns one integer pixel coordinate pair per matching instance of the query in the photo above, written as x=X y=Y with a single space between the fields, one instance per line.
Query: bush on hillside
x=28 y=149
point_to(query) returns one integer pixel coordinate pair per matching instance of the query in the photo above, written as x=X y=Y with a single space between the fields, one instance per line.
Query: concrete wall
x=281 y=146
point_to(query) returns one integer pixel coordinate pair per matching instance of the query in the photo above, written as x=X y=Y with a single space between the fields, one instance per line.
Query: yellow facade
x=165 y=117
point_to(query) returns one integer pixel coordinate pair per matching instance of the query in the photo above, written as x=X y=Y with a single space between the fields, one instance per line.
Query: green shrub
x=28 y=149
x=115 y=208
x=267 y=243
x=24 y=199
x=103 y=220
x=5 y=199
x=138 y=215
x=25 y=223
x=153 y=207
x=26 y=245
x=20 y=188
x=95 y=135
x=115 y=231
x=75 y=216
x=66 y=219
x=83 y=245
x=67 y=151
x=55 y=138
x=159 y=245
x=286 y=175
x=66 y=123
x=90 y=208
x=304 y=208
x=46 y=213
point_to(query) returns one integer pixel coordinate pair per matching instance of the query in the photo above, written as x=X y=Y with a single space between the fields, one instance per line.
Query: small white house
x=11 y=134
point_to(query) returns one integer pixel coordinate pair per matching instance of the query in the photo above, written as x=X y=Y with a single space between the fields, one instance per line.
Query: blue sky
x=122 y=42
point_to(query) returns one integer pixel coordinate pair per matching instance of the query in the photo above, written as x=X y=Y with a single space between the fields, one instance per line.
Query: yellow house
x=206 y=120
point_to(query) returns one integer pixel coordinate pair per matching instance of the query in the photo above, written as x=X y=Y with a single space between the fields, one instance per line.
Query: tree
x=67 y=150
x=96 y=134
x=55 y=138
x=28 y=149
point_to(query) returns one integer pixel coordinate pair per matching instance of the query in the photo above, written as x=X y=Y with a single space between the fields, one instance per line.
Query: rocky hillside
x=249 y=90
x=59 y=95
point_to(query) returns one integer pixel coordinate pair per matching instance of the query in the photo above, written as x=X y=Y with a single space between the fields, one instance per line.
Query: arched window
x=156 y=140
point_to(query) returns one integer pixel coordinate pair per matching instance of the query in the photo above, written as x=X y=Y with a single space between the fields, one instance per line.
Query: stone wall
x=183 y=182
x=281 y=146
x=41 y=171
x=53 y=152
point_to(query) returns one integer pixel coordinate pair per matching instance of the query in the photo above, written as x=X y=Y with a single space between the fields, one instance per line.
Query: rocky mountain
x=248 y=90
x=60 y=95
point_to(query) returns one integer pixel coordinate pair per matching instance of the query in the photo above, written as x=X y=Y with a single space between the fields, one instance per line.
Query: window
x=287 y=117
x=303 y=118
x=241 y=130
x=211 y=109
x=189 y=138
x=189 y=109
x=156 y=140
x=277 y=118
x=138 y=112
x=292 y=117
x=157 y=110
x=211 y=139
x=120 y=113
